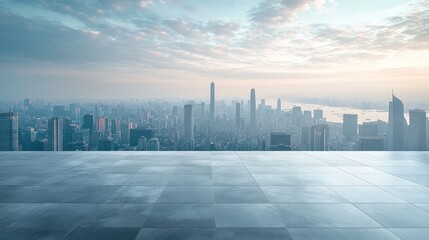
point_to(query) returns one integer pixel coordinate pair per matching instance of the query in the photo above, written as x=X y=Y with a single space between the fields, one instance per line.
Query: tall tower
x=212 y=103
x=237 y=115
x=397 y=125
x=279 y=107
x=9 y=131
x=55 y=134
x=418 y=141
x=88 y=122
x=252 y=108
x=319 y=137
x=189 y=125
x=350 y=125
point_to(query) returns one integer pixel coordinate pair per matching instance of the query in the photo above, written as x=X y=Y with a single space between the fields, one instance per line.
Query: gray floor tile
x=148 y=180
x=103 y=233
x=239 y=194
x=34 y=233
x=187 y=194
x=415 y=194
x=324 y=215
x=301 y=194
x=247 y=215
x=177 y=233
x=365 y=194
x=120 y=215
x=384 y=179
x=411 y=233
x=342 y=234
x=136 y=194
x=181 y=216
x=253 y=234
x=11 y=212
x=191 y=180
x=396 y=215
x=62 y=215
x=226 y=179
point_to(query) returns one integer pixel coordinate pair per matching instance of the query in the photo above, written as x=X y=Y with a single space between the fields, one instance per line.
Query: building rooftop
x=214 y=195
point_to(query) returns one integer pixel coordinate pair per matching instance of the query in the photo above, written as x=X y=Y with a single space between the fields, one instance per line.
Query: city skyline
x=154 y=49
x=235 y=126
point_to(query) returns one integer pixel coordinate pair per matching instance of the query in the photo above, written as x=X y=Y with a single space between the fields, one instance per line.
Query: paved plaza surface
x=214 y=195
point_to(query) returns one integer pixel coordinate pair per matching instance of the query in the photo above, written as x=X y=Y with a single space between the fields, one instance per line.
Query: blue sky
x=347 y=49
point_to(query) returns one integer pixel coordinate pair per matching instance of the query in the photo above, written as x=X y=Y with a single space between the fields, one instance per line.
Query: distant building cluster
x=188 y=126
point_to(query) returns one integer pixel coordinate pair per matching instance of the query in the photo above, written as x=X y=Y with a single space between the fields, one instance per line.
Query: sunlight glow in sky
x=349 y=49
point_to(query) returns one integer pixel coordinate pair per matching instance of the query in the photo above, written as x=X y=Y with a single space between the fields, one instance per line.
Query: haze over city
x=146 y=49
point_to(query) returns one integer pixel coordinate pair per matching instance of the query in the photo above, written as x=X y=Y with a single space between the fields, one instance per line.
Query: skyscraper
x=28 y=138
x=189 y=125
x=418 y=130
x=319 y=137
x=125 y=132
x=297 y=116
x=252 y=108
x=279 y=107
x=237 y=115
x=350 y=126
x=9 y=131
x=212 y=103
x=318 y=115
x=55 y=134
x=88 y=122
x=397 y=125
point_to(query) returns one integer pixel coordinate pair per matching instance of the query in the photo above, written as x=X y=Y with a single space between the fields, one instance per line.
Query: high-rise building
x=189 y=125
x=252 y=121
x=55 y=134
x=371 y=144
x=237 y=115
x=318 y=115
x=153 y=144
x=427 y=132
x=369 y=129
x=212 y=103
x=125 y=132
x=280 y=141
x=297 y=116
x=88 y=122
x=203 y=110
x=279 y=107
x=306 y=119
x=115 y=126
x=319 y=137
x=28 y=138
x=397 y=125
x=350 y=126
x=74 y=111
x=418 y=139
x=100 y=124
x=137 y=133
x=9 y=131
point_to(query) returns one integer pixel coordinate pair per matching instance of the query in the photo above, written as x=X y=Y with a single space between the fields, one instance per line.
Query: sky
x=128 y=49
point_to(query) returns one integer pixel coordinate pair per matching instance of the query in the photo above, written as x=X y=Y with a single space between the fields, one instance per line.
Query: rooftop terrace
x=214 y=195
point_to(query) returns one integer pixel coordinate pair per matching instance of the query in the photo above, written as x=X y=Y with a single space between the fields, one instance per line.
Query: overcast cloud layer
x=174 y=48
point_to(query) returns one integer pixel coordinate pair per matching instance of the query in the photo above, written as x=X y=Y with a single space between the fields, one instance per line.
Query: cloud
x=273 y=12
x=139 y=39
